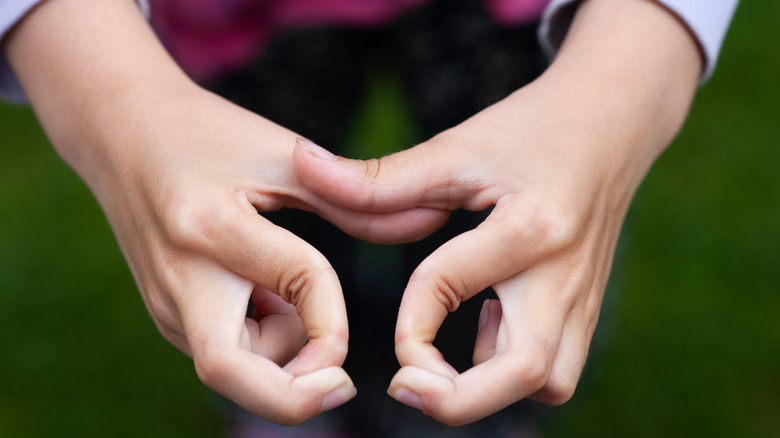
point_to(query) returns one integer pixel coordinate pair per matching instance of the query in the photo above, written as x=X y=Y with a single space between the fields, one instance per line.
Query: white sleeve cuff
x=708 y=20
x=11 y=12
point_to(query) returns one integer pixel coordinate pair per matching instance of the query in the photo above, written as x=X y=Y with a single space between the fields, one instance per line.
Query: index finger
x=242 y=249
x=506 y=243
x=527 y=343
x=256 y=249
x=502 y=247
x=214 y=323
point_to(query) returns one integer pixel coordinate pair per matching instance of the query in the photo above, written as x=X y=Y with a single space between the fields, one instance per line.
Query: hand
x=181 y=175
x=182 y=186
x=546 y=249
x=560 y=160
x=182 y=195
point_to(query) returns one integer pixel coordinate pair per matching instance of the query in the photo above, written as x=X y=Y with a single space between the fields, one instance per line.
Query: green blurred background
x=692 y=347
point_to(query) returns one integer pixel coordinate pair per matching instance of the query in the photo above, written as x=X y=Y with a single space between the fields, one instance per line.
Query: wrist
x=622 y=84
x=88 y=66
x=633 y=61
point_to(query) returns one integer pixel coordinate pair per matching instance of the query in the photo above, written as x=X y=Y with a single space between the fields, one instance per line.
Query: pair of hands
x=181 y=175
x=186 y=219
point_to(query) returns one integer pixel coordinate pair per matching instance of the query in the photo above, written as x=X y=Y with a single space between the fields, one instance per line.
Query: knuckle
x=550 y=230
x=445 y=290
x=366 y=194
x=336 y=344
x=532 y=370
x=160 y=304
x=166 y=320
x=211 y=365
x=547 y=228
x=444 y=139
x=195 y=225
x=168 y=333
x=404 y=341
x=297 y=281
x=293 y=285
x=372 y=167
x=559 y=391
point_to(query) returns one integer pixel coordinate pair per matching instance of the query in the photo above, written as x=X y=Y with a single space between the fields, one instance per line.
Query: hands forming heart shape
x=546 y=249
x=560 y=187
x=183 y=177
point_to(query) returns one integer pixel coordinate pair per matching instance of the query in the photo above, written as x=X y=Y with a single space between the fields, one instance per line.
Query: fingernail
x=407 y=397
x=317 y=151
x=483 y=314
x=453 y=371
x=338 y=396
x=290 y=364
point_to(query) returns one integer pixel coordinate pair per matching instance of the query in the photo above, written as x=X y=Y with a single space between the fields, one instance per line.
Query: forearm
x=88 y=68
x=632 y=64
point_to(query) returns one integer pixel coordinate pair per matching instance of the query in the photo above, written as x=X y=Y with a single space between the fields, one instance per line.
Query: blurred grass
x=694 y=348
x=79 y=356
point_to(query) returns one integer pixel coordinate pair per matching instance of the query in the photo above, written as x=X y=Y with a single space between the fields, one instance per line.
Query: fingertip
x=406 y=396
x=424 y=390
x=333 y=383
x=318 y=353
x=339 y=396
x=411 y=381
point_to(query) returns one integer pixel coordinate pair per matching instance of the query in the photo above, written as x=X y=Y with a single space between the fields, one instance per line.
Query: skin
x=560 y=159
x=181 y=174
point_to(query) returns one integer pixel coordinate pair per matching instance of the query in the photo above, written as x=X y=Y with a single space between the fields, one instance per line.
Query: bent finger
x=276 y=259
x=526 y=345
x=214 y=322
x=494 y=251
x=570 y=359
x=487 y=331
x=274 y=331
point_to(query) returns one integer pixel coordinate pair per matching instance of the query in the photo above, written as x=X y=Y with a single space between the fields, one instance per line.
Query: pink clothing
x=210 y=37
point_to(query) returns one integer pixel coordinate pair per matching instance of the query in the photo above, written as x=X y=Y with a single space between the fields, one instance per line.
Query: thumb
x=425 y=176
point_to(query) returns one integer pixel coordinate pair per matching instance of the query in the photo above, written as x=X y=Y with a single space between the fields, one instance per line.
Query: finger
x=266 y=303
x=275 y=331
x=276 y=259
x=487 y=332
x=497 y=249
x=385 y=228
x=427 y=175
x=571 y=357
x=527 y=342
x=213 y=318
